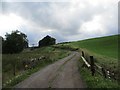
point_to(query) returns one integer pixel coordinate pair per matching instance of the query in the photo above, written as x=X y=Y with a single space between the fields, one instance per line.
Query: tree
x=15 y=42
x=47 y=41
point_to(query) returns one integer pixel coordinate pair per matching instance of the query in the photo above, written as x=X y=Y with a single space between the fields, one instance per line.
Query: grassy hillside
x=106 y=46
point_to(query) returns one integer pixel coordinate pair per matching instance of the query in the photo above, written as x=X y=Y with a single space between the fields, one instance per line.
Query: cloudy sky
x=66 y=20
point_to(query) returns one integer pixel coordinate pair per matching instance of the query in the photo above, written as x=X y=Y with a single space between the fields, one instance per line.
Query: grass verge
x=96 y=81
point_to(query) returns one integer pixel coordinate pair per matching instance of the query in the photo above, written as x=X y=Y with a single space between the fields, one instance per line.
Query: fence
x=94 y=67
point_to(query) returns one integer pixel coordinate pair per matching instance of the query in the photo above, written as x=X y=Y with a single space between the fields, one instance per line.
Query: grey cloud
x=43 y=15
x=57 y=17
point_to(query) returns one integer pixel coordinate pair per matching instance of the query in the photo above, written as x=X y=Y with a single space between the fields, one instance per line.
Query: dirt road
x=61 y=74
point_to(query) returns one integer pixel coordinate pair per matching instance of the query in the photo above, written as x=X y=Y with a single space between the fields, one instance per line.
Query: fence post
x=92 y=65
x=14 y=69
x=104 y=72
x=82 y=53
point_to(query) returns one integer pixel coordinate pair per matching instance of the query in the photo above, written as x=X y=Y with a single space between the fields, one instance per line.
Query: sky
x=68 y=20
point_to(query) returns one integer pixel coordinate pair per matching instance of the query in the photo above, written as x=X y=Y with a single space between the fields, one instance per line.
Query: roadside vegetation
x=96 y=81
x=14 y=69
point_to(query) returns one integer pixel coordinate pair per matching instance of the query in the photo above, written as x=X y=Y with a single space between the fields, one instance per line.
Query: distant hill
x=107 y=46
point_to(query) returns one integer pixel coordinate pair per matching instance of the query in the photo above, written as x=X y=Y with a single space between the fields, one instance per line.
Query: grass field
x=9 y=60
x=106 y=46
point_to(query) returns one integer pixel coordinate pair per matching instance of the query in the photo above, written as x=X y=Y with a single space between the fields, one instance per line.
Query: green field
x=106 y=46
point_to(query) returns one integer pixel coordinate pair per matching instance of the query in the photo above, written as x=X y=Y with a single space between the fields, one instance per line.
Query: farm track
x=61 y=74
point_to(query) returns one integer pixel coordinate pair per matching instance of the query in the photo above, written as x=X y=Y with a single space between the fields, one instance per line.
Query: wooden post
x=82 y=53
x=104 y=73
x=92 y=65
x=14 y=69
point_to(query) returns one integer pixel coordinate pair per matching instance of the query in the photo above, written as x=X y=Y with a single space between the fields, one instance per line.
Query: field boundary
x=94 y=67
